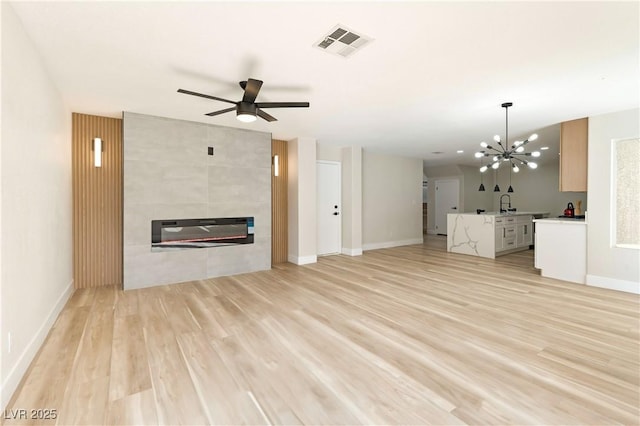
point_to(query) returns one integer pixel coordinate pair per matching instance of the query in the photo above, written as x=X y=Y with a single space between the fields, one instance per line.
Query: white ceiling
x=432 y=80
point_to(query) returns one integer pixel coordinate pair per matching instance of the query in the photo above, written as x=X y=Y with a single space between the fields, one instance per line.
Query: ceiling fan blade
x=282 y=104
x=189 y=92
x=222 y=111
x=251 y=90
x=265 y=116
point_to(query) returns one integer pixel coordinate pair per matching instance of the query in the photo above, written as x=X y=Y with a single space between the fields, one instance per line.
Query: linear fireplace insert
x=201 y=233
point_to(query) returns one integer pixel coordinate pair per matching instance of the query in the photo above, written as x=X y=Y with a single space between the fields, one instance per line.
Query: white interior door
x=447 y=195
x=329 y=217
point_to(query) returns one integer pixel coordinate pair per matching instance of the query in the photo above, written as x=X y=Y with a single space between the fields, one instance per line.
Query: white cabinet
x=561 y=249
x=509 y=239
x=489 y=235
x=499 y=232
x=508 y=230
x=524 y=231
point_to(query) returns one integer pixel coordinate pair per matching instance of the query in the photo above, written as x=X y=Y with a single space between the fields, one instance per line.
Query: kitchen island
x=561 y=249
x=490 y=234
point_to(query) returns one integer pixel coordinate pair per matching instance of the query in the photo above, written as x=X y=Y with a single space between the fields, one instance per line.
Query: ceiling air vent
x=342 y=41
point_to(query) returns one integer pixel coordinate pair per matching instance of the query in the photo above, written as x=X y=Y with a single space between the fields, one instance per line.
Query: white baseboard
x=352 y=252
x=302 y=260
x=613 y=284
x=432 y=232
x=388 y=244
x=28 y=354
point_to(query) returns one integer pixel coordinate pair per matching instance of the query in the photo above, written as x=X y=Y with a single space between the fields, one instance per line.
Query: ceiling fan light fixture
x=246 y=112
x=246 y=118
x=247 y=109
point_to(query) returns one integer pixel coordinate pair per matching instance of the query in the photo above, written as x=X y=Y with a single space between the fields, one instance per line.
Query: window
x=626 y=185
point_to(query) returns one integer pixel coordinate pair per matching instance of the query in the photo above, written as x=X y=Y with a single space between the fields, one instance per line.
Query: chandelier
x=514 y=154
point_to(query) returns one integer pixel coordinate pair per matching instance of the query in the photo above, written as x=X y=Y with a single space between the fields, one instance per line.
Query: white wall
x=328 y=153
x=534 y=190
x=391 y=201
x=36 y=253
x=472 y=199
x=537 y=190
x=608 y=266
x=433 y=174
x=302 y=201
x=3 y=392
x=352 y=200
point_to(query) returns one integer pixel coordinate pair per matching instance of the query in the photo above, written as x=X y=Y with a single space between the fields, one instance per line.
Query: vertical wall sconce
x=97 y=152
x=481 y=188
x=276 y=165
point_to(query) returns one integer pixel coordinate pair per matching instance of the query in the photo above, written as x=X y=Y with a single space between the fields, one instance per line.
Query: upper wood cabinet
x=573 y=155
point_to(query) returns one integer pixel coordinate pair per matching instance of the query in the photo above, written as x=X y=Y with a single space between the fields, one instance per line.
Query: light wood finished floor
x=410 y=335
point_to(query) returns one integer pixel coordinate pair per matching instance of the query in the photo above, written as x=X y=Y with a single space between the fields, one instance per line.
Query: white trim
x=388 y=244
x=352 y=252
x=302 y=260
x=628 y=246
x=432 y=231
x=28 y=354
x=613 y=284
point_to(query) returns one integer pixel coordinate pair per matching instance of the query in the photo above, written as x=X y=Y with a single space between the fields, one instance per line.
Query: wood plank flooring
x=407 y=335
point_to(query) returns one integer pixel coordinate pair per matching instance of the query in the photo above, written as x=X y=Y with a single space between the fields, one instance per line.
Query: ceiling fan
x=247 y=109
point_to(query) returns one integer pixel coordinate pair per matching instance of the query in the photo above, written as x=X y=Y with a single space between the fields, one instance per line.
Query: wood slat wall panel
x=279 y=217
x=97 y=202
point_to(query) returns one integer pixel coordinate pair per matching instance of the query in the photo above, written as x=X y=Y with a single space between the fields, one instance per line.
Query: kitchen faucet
x=509 y=206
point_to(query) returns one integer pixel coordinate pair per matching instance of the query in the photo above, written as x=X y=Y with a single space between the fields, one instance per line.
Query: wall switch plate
x=210 y=150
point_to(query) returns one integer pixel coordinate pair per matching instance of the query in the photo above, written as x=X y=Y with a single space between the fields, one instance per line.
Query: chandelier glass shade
x=515 y=154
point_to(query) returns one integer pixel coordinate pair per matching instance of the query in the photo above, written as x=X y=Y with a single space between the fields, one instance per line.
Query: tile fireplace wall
x=168 y=174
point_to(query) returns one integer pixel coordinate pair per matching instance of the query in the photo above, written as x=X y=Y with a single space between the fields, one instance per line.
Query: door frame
x=437 y=183
x=339 y=165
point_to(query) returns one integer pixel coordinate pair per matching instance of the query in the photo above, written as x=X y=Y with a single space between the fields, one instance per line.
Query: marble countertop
x=563 y=220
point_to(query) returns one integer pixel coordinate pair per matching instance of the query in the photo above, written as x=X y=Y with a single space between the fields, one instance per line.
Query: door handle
x=336 y=213
x=454 y=208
